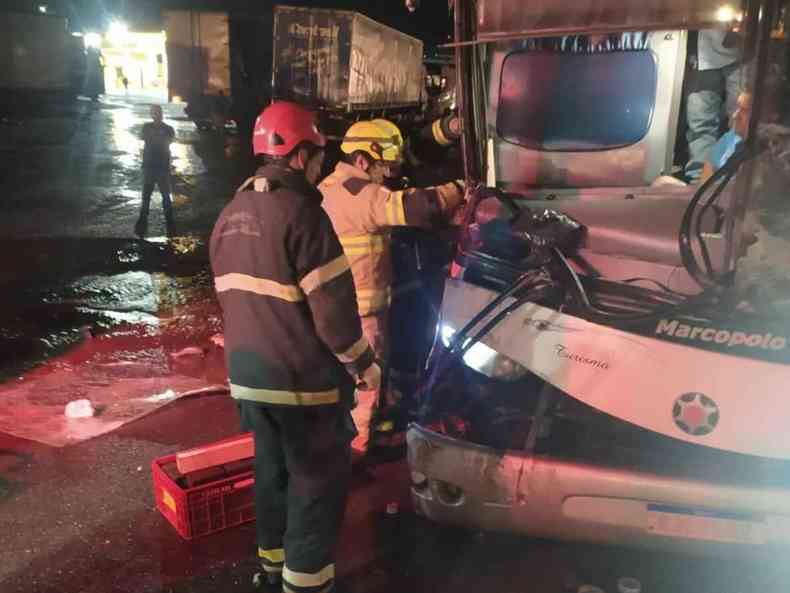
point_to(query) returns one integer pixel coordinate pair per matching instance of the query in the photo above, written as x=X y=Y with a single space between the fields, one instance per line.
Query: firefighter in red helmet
x=294 y=348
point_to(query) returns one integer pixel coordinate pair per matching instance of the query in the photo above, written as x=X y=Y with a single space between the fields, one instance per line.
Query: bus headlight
x=485 y=360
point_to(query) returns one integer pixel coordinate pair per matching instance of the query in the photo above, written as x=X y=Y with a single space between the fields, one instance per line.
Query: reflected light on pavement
x=126 y=142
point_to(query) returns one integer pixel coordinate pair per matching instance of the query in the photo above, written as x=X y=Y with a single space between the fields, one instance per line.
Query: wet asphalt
x=81 y=519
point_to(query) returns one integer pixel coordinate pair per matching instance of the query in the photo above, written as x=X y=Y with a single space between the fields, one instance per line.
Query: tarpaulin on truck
x=198 y=52
x=344 y=61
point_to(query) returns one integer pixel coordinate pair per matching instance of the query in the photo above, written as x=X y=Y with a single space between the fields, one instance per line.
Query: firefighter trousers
x=375 y=327
x=302 y=473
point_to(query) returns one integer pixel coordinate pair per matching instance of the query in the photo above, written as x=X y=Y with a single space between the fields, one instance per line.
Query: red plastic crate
x=208 y=508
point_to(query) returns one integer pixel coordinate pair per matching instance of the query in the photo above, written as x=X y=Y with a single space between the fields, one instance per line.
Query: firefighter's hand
x=454 y=125
x=370 y=378
x=451 y=196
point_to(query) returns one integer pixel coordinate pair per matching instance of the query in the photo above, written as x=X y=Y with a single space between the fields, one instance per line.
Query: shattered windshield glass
x=764 y=270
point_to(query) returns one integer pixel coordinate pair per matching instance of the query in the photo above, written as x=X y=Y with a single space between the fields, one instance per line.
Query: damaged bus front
x=611 y=361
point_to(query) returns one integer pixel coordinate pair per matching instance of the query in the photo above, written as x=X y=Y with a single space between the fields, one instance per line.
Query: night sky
x=431 y=22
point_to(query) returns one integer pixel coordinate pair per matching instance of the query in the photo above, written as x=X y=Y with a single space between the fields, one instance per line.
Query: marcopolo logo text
x=722 y=337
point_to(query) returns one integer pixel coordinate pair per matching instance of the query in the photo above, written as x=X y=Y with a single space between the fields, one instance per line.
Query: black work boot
x=267 y=580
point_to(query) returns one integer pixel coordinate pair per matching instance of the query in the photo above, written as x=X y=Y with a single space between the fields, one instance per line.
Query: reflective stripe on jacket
x=287 y=296
x=362 y=212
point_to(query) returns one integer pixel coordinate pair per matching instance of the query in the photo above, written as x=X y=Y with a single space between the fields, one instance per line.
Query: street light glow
x=42 y=8
x=92 y=40
x=118 y=30
x=726 y=14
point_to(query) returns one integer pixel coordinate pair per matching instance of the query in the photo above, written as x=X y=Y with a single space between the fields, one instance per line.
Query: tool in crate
x=207 y=489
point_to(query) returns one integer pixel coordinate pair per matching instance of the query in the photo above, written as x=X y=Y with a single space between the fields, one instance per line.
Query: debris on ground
x=189 y=351
x=629 y=585
x=80 y=408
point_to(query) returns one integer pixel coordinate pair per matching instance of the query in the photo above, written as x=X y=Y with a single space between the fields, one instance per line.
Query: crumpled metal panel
x=540 y=495
x=501 y=18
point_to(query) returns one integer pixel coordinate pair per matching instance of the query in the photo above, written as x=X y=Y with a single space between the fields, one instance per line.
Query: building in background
x=135 y=62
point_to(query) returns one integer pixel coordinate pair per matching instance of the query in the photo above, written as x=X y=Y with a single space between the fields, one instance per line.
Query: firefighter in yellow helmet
x=363 y=211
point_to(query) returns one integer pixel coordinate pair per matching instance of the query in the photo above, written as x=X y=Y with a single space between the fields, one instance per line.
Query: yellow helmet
x=390 y=127
x=379 y=138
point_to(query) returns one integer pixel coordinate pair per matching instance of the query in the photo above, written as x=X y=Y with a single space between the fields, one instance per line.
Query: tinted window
x=572 y=102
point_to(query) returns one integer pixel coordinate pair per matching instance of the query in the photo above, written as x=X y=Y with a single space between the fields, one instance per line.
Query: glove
x=370 y=378
x=454 y=126
x=451 y=195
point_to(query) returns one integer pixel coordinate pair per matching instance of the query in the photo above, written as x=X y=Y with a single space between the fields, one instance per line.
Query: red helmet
x=282 y=126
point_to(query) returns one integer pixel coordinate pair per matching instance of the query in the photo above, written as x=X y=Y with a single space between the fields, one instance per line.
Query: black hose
x=452 y=353
x=514 y=287
x=598 y=315
x=684 y=238
x=537 y=294
x=701 y=217
x=661 y=285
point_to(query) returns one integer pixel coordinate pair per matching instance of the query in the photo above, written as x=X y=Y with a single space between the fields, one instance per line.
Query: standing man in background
x=714 y=86
x=157 y=136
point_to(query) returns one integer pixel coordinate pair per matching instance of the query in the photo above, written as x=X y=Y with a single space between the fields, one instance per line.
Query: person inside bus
x=725 y=146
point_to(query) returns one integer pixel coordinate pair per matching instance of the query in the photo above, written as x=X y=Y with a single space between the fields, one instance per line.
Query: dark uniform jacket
x=287 y=296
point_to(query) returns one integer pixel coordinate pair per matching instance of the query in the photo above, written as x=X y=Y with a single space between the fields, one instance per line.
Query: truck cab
x=611 y=354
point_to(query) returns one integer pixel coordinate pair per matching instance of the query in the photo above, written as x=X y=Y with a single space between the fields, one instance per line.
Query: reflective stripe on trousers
x=273 y=560
x=302 y=475
x=285 y=398
x=309 y=582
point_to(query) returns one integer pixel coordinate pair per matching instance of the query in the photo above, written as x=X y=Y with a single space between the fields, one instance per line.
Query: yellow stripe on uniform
x=275 y=556
x=259 y=286
x=395 y=214
x=309 y=579
x=272 y=560
x=323 y=274
x=357 y=350
x=370 y=300
x=354 y=245
x=389 y=213
x=285 y=398
x=438 y=134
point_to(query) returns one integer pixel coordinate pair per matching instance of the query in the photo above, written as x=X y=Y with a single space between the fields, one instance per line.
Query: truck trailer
x=38 y=57
x=344 y=61
x=339 y=61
